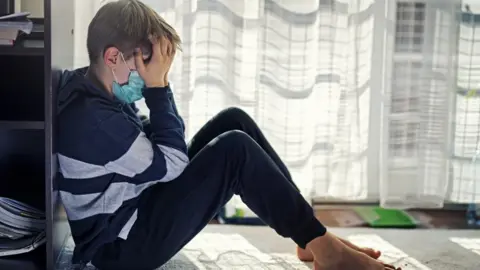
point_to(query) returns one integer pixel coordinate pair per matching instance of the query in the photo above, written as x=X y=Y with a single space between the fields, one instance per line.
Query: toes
x=375 y=254
x=371 y=252
x=388 y=266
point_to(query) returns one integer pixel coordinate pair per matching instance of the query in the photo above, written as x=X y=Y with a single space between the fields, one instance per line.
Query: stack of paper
x=22 y=227
x=12 y=25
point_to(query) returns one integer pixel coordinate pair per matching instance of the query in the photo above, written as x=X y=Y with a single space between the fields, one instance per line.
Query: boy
x=134 y=192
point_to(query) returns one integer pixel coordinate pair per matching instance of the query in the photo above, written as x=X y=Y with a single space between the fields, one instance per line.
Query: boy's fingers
x=169 y=49
x=164 y=43
x=153 y=40
x=156 y=47
x=138 y=55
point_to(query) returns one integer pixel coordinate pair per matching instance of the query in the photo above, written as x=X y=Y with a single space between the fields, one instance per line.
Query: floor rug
x=226 y=247
x=213 y=251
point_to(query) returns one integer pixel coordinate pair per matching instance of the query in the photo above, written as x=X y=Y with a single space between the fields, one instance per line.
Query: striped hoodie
x=108 y=157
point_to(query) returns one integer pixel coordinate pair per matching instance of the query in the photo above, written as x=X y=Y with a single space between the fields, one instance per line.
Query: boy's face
x=121 y=64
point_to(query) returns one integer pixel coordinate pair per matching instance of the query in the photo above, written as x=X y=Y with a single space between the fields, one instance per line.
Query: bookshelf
x=21 y=51
x=27 y=126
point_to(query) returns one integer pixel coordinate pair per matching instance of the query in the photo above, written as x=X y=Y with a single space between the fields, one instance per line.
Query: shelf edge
x=22 y=125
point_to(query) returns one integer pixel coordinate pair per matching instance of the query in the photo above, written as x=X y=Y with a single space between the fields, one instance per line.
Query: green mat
x=378 y=217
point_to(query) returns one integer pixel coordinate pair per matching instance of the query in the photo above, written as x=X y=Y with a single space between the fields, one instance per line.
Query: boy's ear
x=111 y=56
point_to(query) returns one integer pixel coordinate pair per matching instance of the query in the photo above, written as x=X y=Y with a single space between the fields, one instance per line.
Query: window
x=403 y=138
x=326 y=3
x=406 y=85
x=410 y=27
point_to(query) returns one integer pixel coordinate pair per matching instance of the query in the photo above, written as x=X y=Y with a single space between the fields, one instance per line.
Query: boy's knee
x=235 y=137
x=236 y=145
x=235 y=113
x=233 y=141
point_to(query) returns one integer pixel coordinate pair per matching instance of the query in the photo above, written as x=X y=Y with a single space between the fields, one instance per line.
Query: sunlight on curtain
x=268 y=57
x=421 y=78
x=355 y=95
x=465 y=186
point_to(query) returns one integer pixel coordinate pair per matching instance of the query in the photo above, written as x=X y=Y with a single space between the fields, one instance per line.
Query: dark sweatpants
x=228 y=156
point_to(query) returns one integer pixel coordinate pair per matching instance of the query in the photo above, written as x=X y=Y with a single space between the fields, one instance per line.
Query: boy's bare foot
x=307 y=256
x=304 y=255
x=332 y=254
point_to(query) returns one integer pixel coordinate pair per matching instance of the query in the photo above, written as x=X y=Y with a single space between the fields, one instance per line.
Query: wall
x=84 y=12
x=63 y=16
x=35 y=7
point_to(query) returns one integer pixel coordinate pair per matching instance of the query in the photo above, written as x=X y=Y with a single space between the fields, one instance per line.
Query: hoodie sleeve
x=146 y=121
x=174 y=106
x=164 y=118
x=161 y=157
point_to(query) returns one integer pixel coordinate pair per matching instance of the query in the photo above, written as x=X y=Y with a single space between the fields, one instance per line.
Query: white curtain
x=359 y=97
x=465 y=175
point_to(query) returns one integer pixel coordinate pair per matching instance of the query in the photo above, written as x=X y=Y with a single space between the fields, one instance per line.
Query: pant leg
x=235 y=119
x=171 y=214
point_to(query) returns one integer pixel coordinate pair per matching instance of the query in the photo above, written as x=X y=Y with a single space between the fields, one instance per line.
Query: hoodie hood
x=73 y=84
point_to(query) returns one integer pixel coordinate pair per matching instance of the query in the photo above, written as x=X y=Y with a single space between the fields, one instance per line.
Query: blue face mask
x=130 y=91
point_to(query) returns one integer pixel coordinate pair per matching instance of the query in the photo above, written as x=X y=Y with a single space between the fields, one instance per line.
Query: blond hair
x=126 y=25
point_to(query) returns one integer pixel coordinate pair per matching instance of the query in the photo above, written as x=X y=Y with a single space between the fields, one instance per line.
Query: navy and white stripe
x=135 y=162
x=107 y=159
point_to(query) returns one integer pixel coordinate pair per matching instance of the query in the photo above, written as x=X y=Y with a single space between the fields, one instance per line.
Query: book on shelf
x=22 y=227
x=14 y=25
x=15 y=16
x=8 y=36
x=6 y=42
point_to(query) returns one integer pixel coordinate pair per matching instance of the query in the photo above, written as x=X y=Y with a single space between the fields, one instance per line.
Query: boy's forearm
x=166 y=127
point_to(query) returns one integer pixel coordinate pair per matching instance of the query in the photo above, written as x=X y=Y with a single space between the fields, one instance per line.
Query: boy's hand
x=155 y=72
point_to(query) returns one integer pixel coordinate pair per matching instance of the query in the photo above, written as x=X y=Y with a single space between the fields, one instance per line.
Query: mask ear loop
x=113 y=70
x=126 y=65
x=123 y=59
x=114 y=76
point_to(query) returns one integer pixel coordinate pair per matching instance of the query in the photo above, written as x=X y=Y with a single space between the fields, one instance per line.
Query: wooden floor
x=345 y=217
x=342 y=216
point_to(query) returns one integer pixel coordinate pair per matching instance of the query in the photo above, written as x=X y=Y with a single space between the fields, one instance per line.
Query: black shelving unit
x=22 y=138
x=22 y=51
x=28 y=165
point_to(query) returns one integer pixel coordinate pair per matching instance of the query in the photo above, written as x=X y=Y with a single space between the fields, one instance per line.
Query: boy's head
x=117 y=30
